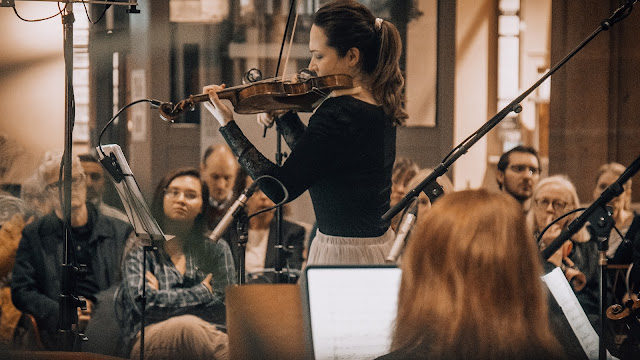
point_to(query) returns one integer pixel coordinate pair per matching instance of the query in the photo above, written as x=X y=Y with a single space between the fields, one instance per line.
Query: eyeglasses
x=175 y=194
x=519 y=169
x=76 y=181
x=558 y=205
x=94 y=176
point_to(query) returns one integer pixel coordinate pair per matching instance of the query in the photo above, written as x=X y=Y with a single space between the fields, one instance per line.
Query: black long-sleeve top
x=344 y=158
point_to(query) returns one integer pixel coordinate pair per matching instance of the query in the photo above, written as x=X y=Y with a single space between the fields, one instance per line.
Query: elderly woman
x=578 y=257
x=462 y=295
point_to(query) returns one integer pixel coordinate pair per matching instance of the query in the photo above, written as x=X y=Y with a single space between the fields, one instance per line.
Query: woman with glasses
x=578 y=257
x=185 y=277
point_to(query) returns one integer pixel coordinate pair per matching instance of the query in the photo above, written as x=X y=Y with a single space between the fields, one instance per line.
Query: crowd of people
x=470 y=282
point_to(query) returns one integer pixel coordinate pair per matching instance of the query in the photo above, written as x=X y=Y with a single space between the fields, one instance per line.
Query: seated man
x=96 y=183
x=98 y=243
x=224 y=178
x=185 y=278
x=518 y=173
x=260 y=253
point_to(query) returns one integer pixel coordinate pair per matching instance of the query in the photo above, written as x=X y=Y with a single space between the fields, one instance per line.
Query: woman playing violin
x=345 y=155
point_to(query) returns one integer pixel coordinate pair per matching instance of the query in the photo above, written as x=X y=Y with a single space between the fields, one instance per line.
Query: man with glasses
x=518 y=173
x=97 y=240
x=96 y=182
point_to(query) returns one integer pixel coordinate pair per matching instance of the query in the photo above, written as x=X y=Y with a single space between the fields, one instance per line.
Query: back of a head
x=470 y=282
x=349 y=24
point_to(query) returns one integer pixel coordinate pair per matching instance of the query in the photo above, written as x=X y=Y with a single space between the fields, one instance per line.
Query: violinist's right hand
x=219 y=110
x=267 y=119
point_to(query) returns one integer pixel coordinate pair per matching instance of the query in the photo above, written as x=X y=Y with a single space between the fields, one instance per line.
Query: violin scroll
x=619 y=312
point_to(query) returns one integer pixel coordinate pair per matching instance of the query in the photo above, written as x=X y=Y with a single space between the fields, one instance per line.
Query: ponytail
x=387 y=75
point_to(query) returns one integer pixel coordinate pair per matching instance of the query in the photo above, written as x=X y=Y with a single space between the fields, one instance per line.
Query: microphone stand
x=243 y=238
x=67 y=313
x=514 y=106
x=280 y=257
x=601 y=223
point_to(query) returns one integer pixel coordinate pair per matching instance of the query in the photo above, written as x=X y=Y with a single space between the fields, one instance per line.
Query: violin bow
x=284 y=40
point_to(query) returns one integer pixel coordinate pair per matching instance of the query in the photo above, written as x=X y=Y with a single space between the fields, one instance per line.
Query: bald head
x=219 y=169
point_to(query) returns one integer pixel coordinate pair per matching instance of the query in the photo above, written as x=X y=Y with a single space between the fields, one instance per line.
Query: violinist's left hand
x=220 y=111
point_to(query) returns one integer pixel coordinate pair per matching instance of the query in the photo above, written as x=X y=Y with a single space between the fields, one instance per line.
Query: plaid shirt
x=178 y=294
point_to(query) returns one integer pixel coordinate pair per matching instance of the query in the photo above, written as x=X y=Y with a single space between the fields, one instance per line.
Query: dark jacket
x=35 y=285
x=292 y=240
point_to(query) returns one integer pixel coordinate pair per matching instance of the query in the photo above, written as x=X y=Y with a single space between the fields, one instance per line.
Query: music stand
x=144 y=224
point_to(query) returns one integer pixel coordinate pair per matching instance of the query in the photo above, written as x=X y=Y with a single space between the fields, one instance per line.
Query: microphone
x=404 y=229
x=231 y=214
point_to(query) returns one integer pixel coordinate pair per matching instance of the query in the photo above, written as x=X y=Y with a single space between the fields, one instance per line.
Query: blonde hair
x=617 y=170
x=470 y=283
x=562 y=181
x=50 y=166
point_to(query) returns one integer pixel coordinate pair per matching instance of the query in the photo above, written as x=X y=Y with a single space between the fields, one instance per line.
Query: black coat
x=293 y=236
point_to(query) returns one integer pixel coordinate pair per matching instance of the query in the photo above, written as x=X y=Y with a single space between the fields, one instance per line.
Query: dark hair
x=157 y=205
x=348 y=24
x=504 y=159
x=88 y=158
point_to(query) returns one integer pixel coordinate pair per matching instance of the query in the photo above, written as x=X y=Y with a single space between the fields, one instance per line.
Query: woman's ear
x=566 y=248
x=353 y=55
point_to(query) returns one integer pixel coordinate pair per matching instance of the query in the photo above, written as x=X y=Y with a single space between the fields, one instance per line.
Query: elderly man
x=219 y=170
x=98 y=242
x=518 y=173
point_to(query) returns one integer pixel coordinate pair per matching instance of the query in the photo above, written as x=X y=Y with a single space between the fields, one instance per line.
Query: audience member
x=97 y=242
x=404 y=169
x=35 y=197
x=626 y=220
x=260 y=253
x=518 y=173
x=185 y=277
x=224 y=179
x=578 y=257
x=470 y=285
x=34 y=206
x=96 y=182
x=11 y=224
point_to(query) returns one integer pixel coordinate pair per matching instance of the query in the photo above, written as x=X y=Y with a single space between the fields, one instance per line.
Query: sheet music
x=144 y=225
x=352 y=311
x=562 y=292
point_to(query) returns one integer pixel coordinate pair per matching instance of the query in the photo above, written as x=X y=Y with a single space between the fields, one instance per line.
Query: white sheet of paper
x=352 y=311
x=562 y=292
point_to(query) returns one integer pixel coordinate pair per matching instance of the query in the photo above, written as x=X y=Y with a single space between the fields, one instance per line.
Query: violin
x=267 y=95
x=618 y=312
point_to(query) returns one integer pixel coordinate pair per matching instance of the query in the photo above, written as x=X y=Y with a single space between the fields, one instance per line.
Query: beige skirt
x=338 y=250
